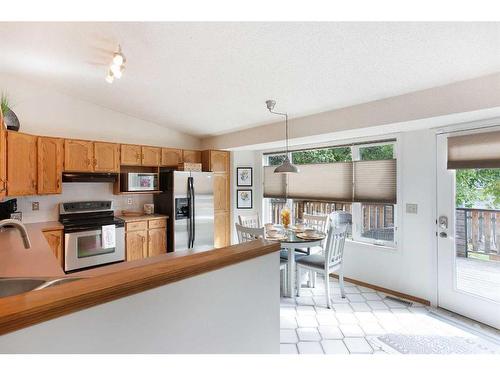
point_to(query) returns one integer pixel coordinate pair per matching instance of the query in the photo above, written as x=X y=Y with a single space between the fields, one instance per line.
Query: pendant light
x=286 y=166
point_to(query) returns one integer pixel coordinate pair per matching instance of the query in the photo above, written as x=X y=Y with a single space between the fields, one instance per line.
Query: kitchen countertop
x=26 y=309
x=38 y=261
x=130 y=219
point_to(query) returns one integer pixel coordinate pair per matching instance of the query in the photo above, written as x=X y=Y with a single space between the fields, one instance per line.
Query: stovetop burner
x=87 y=215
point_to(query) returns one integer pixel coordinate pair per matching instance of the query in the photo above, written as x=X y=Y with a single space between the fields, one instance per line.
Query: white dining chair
x=330 y=261
x=249 y=221
x=246 y=234
x=320 y=223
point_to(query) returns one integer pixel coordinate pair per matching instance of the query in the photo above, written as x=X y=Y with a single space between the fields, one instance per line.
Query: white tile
x=306 y=300
x=355 y=297
x=318 y=291
x=330 y=332
x=351 y=289
x=371 y=296
x=419 y=310
x=346 y=318
x=287 y=310
x=351 y=330
x=288 y=322
x=288 y=349
x=306 y=310
x=306 y=292
x=372 y=328
x=377 y=305
x=337 y=298
x=357 y=345
x=364 y=289
x=287 y=301
x=360 y=306
x=394 y=304
x=308 y=334
x=288 y=336
x=342 y=307
x=310 y=347
x=326 y=319
x=334 y=347
x=365 y=316
x=320 y=301
x=306 y=321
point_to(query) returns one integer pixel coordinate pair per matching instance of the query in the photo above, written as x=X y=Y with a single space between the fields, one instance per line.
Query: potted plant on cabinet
x=9 y=117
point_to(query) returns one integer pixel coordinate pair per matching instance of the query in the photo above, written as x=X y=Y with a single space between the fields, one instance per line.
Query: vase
x=285 y=217
x=10 y=120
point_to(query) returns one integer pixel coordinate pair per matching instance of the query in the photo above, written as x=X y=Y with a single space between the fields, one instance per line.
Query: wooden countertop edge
x=24 y=310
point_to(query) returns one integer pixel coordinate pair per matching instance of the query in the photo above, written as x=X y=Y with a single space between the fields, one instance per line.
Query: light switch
x=411 y=208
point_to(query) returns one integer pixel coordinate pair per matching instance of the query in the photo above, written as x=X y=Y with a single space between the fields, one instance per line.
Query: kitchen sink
x=18 y=285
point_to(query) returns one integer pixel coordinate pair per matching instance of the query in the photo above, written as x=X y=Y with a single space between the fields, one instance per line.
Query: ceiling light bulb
x=109 y=77
x=118 y=59
x=116 y=70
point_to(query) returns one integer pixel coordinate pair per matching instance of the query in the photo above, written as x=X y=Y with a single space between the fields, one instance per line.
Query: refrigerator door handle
x=193 y=208
x=189 y=214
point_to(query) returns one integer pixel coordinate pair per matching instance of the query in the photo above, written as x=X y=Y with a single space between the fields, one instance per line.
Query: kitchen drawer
x=136 y=225
x=157 y=223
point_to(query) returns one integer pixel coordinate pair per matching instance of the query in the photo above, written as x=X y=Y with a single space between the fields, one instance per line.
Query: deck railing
x=477 y=231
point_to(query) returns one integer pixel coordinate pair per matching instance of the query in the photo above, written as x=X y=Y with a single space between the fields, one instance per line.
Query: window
x=373 y=220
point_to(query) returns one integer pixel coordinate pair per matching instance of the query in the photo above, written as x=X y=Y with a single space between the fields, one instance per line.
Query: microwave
x=139 y=181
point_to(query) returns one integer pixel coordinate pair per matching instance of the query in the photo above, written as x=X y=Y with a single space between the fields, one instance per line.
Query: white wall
x=231 y=310
x=49 y=204
x=45 y=111
x=246 y=159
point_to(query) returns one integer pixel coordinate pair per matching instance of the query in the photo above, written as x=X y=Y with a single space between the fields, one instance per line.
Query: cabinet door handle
x=4 y=185
x=95 y=162
x=58 y=183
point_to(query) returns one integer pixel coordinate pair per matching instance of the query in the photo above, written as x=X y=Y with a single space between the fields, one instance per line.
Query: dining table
x=291 y=240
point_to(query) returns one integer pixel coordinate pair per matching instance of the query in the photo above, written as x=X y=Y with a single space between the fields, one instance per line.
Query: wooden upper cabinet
x=78 y=155
x=215 y=161
x=191 y=156
x=221 y=192
x=151 y=156
x=171 y=157
x=50 y=165
x=3 y=159
x=21 y=164
x=106 y=157
x=131 y=155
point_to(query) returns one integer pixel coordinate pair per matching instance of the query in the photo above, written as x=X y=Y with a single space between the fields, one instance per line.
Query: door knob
x=443 y=235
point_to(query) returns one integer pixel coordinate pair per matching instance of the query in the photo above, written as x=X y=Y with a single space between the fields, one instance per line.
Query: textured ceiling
x=210 y=78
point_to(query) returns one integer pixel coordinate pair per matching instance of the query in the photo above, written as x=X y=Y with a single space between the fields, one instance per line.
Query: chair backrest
x=248 y=234
x=249 y=221
x=334 y=248
x=318 y=222
x=341 y=219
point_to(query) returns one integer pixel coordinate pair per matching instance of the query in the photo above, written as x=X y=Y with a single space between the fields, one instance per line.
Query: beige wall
x=45 y=111
x=465 y=96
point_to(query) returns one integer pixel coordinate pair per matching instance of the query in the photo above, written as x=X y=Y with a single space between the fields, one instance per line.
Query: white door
x=468 y=281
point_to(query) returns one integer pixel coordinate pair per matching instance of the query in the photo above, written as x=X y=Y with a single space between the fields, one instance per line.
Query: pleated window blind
x=360 y=181
x=480 y=150
x=375 y=181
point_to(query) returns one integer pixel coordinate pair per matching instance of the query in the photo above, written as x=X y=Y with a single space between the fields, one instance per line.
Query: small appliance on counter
x=8 y=210
x=93 y=236
x=142 y=181
x=149 y=209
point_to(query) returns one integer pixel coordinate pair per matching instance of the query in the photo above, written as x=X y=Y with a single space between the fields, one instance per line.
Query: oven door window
x=91 y=245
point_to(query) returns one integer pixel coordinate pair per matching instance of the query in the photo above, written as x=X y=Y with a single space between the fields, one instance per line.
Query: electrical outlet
x=129 y=201
x=35 y=206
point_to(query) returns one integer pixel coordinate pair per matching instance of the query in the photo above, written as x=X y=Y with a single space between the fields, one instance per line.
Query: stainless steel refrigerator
x=187 y=198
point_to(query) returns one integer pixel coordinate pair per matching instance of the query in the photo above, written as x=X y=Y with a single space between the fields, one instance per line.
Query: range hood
x=89 y=177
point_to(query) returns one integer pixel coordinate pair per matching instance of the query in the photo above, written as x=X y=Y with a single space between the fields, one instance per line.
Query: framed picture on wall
x=244 y=176
x=244 y=199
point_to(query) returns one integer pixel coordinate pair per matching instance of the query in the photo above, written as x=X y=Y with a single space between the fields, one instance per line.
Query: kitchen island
x=217 y=301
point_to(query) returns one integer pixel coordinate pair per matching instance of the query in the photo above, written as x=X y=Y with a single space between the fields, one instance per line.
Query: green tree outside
x=478 y=187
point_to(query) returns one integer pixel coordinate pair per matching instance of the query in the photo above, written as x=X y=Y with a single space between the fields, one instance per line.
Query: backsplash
x=49 y=204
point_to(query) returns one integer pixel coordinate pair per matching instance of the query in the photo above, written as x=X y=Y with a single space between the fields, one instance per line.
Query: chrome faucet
x=20 y=227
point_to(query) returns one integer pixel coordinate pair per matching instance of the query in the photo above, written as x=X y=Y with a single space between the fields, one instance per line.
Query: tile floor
x=351 y=327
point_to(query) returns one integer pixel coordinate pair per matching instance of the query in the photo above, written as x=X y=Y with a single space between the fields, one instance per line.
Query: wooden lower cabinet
x=145 y=238
x=221 y=229
x=55 y=240
x=157 y=241
x=136 y=245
